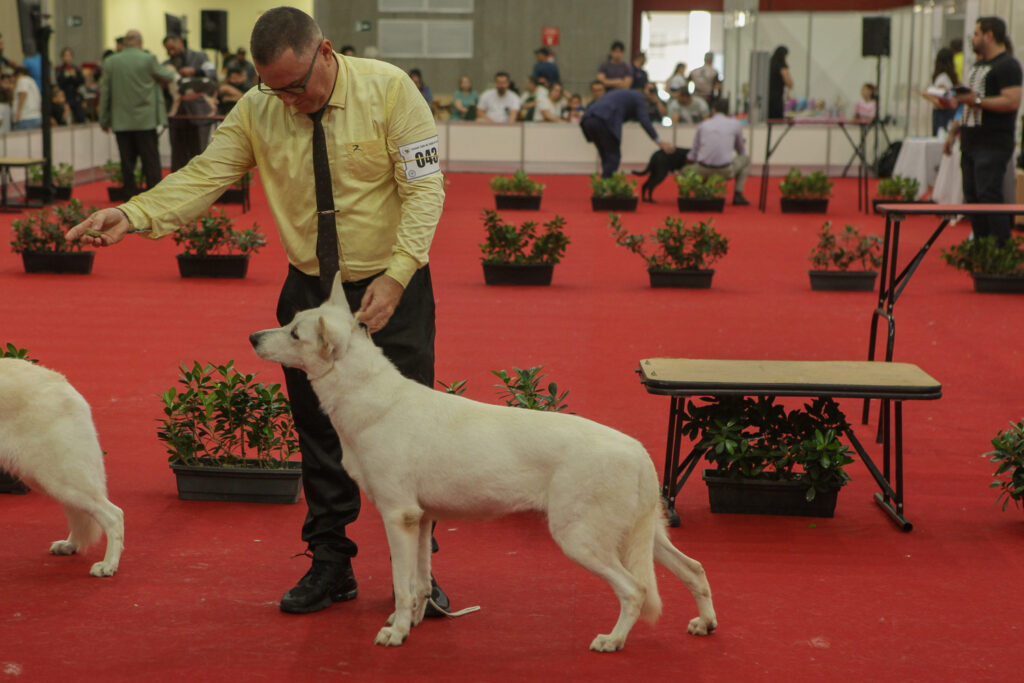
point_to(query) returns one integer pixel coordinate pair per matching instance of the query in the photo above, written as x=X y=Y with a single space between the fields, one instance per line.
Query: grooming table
x=893 y=383
x=891 y=285
x=859 y=152
x=6 y=164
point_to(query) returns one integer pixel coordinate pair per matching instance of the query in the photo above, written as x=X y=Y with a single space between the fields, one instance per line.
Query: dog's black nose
x=254 y=338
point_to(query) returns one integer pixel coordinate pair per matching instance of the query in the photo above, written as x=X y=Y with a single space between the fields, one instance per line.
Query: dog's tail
x=647 y=169
x=84 y=530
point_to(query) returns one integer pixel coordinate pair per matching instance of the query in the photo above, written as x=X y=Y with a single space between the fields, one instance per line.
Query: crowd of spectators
x=75 y=87
x=543 y=98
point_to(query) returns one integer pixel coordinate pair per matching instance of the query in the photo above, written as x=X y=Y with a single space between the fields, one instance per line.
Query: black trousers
x=984 y=169
x=133 y=145
x=609 y=146
x=408 y=341
x=187 y=140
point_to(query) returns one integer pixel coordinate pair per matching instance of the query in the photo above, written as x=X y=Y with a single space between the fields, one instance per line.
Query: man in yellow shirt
x=386 y=184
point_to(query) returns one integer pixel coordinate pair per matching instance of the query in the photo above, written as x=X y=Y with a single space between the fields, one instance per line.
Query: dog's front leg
x=402 y=527
x=422 y=587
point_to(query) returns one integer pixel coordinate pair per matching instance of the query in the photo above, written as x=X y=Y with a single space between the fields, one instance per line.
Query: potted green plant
x=617 y=193
x=769 y=460
x=896 y=190
x=39 y=238
x=8 y=482
x=994 y=268
x=683 y=255
x=63 y=175
x=518 y=255
x=213 y=248
x=805 y=194
x=517 y=192
x=117 y=192
x=238 y=193
x=229 y=437
x=697 y=193
x=521 y=389
x=1008 y=453
x=834 y=256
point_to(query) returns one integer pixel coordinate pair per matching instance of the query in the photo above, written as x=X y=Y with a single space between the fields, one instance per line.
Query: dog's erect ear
x=337 y=297
x=329 y=337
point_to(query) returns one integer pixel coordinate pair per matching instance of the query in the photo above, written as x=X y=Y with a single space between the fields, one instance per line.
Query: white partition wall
x=557 y=148
x=487 y=148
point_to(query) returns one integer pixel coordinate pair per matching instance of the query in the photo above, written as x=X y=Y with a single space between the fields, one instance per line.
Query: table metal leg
x=883 y=295
x=672 y=445
x=762 y=196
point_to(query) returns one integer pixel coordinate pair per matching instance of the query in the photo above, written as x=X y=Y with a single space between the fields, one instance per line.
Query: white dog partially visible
x=422 y=455
x=47 y=438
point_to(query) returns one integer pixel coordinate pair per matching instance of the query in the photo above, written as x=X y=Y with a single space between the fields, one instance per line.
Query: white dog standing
x=422 y=455
x=47 y=438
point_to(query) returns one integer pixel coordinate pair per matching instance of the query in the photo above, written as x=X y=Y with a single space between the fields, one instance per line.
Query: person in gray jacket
x=131 y=104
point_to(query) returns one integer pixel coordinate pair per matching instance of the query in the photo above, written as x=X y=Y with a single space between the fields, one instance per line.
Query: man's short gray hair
x=279 y=29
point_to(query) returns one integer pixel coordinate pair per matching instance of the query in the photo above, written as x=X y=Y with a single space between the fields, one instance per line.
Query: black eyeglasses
x=293 y=89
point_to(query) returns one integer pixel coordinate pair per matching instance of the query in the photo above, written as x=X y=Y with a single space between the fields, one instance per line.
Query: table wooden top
x=857 y=379
x=928 y=209
x=18 y=161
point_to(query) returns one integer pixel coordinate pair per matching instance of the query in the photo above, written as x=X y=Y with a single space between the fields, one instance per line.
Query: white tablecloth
x=919 y=158
x=949 y=183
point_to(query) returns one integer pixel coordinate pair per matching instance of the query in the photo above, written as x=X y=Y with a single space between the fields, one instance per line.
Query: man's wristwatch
x=977 y=101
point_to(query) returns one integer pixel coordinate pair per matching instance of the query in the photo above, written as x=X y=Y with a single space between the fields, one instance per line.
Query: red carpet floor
x=843 y=599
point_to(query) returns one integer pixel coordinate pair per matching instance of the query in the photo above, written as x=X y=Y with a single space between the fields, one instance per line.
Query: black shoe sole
x=321 y=605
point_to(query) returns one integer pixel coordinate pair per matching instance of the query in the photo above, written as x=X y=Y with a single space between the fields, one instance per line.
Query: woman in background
x=464 y=101
x=417 y=78
x=552 y=107
x=70 y=80
x=677 y=80
x=779 y=81
x=940 y=93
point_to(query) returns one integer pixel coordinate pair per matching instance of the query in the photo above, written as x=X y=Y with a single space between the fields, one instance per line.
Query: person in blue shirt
x=602 y=125
x=545 y=71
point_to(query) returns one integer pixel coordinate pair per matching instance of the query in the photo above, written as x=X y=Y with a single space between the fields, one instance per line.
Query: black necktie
x=326 y=233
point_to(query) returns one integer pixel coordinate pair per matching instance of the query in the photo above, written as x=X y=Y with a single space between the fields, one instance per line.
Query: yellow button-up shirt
x=382 y=150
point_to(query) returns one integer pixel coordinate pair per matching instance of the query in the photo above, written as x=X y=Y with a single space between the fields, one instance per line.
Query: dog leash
x=459 y=613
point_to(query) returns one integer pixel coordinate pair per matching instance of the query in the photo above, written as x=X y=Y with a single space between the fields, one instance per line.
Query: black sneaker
x=439 y=597
x=739 y=200
x=324 y=584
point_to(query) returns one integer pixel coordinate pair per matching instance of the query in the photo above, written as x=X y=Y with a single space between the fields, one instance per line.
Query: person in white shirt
x=28 y=103
x=499 y=104
x=552 y=107
x=6 y=90
x=712 y=152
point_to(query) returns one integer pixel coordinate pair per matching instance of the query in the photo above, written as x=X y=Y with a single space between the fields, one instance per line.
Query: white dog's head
x=314 y=339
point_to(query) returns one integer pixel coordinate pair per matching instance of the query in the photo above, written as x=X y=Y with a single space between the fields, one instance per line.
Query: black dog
x=659 y=166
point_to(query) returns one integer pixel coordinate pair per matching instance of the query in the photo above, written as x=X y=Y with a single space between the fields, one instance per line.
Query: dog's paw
x=391 y=619
x=699 y=626
x=607 y=643
x=63 y=548
x=390 y=637
x=103 y=569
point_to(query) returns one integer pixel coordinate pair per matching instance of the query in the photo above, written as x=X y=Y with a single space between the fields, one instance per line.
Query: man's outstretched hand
x=101 y=229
